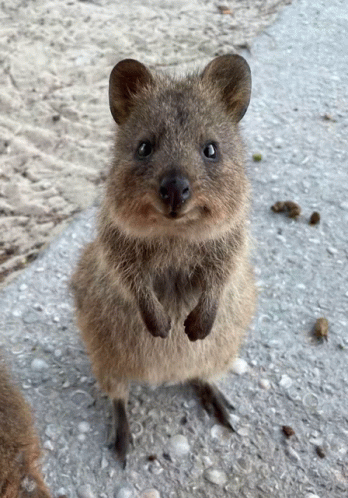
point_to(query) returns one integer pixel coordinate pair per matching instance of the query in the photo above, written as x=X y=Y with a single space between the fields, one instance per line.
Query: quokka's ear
x=231 y=75
x=127 y=79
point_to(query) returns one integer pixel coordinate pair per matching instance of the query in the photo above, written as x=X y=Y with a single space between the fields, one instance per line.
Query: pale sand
x=55 y=126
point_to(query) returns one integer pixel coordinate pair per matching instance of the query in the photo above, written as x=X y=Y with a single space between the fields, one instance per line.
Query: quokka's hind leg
x=120 y=435
x=213 y=401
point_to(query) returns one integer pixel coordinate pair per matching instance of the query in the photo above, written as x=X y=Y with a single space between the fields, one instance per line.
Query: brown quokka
x=166 y=291
x=20 y=476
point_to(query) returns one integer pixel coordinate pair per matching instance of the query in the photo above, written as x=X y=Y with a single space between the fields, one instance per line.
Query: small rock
x=83 y=427
x=243 y=431
x=30 y=317
x=23 y=287
x=179 y=445
x=150 y=493
x=85 y=491
x=332 y=251
x=81 y=437
x=239 y=366
x=215 y=476
x=311 y=495
x=264 y=384
x=285 y=381
x=220 y=432
x=48 y=446
x=124 y=492
x=293 y=455
x=52 y=432
x=39 y=364
x=61 y=492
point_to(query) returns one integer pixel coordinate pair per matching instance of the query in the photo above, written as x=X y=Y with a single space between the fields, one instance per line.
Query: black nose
x=174 y=191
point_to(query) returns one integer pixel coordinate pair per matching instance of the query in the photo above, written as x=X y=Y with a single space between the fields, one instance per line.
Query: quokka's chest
x=177 y=286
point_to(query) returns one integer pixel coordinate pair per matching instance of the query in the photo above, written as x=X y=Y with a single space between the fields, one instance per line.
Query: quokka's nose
x=174 y=191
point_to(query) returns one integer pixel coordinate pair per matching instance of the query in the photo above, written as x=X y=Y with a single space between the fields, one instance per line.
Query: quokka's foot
x=120 y=436
x=214 y=402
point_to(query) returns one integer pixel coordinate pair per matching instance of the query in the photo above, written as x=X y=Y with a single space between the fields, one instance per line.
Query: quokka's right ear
x=127 y=79
x=230 y=75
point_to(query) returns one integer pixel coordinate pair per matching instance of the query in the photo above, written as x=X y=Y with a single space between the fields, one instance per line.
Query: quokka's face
x=178 y=167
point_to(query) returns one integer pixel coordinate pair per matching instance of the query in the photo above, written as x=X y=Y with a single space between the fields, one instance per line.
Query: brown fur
x=20 y=476
x=147 y=274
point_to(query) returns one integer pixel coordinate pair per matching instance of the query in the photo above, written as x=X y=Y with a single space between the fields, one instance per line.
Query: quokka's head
x=179 y=165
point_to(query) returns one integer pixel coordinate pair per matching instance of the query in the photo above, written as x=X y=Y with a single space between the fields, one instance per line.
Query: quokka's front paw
x=158 y=326
x=198 y=325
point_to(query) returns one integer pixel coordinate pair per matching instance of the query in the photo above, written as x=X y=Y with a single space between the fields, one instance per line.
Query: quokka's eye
x=210 y=151
x=145 y=149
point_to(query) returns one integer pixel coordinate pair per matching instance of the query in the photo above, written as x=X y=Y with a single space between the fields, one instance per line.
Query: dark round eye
x=144 y=149
x=210 y=151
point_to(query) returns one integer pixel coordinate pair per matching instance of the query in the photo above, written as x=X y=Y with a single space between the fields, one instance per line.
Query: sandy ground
x=55 y=125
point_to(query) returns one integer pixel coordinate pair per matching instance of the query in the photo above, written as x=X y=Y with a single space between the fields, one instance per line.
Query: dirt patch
x=55 y=126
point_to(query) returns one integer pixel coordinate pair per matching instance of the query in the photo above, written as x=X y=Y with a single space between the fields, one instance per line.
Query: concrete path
x=298 y=122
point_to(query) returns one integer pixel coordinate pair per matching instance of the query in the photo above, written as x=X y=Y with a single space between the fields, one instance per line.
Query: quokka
x=166 y=291
x=20 y=476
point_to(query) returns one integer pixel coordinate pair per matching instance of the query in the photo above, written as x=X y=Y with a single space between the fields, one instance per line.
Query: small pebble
x=23 y=287
x=48 y=445
x=81 y=437
x=124 y=492
x=179 y=445
x=239 y=366
x=150 y=493
x=332 y=250
x=243 y=431
x=285 y=381
x=311 y=495
x=52 y=432
x=215 y=476
x=264 y=383
x=30 y=317
x=85 y=491
x=293 y=455
x=38 y=364
x=61 y=492
x=219 y=432
x=83 y=427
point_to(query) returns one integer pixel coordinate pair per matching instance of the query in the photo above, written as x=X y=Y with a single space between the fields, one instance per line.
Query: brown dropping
x=224 y=10
x=320 y=451
x=288 y=431
x=292 y=209
x=321 y=328
x=315 y=218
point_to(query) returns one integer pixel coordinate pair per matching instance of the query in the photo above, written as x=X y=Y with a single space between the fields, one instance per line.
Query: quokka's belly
x=121 y=347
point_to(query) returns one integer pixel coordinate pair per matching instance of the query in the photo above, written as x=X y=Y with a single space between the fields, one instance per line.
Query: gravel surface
x=298 y=122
